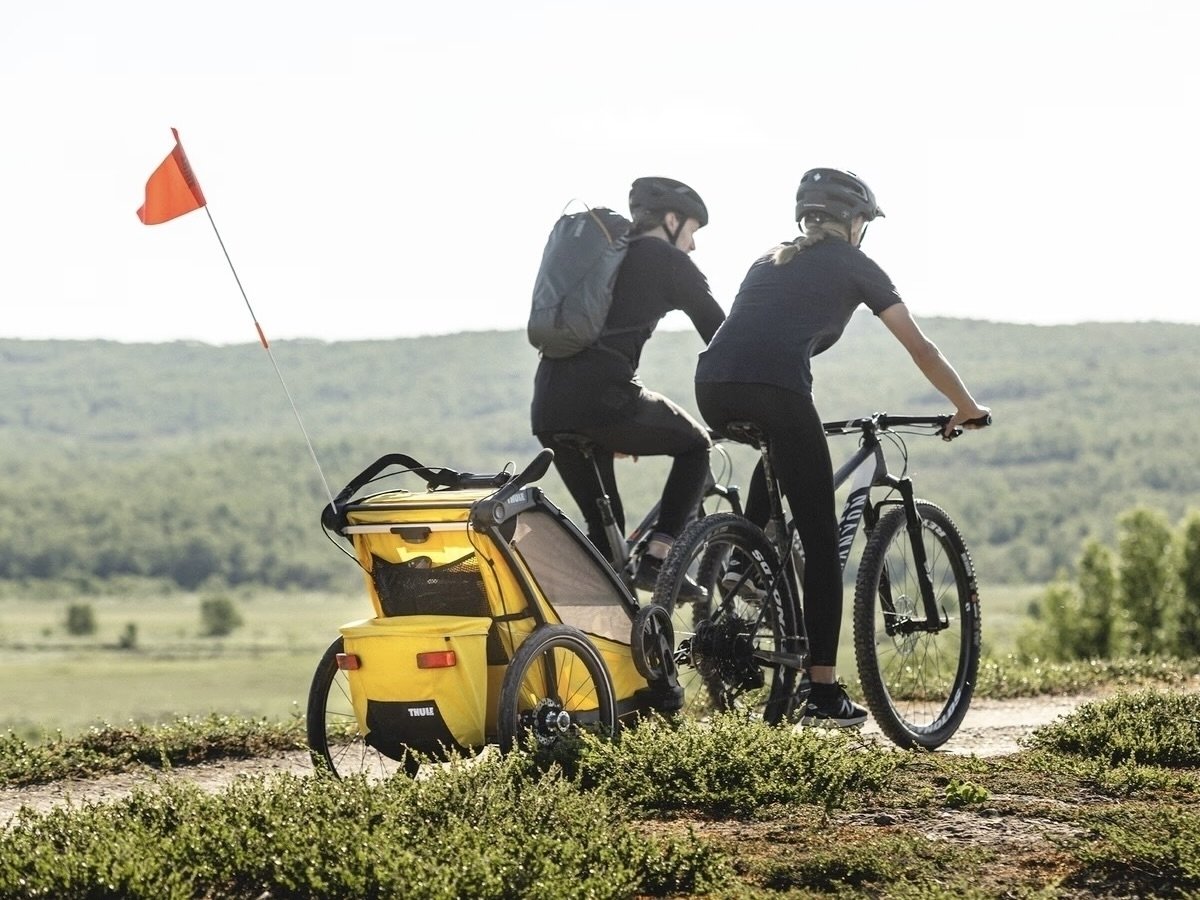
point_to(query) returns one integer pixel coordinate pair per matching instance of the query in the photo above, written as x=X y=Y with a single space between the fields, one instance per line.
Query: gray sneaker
x=736 y=578
x=830 y=706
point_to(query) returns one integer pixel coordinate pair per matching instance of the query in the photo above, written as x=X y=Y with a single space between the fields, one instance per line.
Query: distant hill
x=184 y=461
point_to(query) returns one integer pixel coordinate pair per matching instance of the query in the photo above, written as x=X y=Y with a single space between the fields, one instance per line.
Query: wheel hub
x=724 y=650
x=549 y=722
x=904 y=638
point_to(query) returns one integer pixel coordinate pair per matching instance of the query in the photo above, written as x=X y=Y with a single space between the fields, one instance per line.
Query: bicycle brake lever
x=979 y=422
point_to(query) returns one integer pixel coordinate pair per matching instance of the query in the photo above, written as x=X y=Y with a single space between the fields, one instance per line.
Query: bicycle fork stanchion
x=933 y=616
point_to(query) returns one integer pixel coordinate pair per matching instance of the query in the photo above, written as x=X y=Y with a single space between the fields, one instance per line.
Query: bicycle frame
x=867 y=469
x=730 y=493
x=625 y=547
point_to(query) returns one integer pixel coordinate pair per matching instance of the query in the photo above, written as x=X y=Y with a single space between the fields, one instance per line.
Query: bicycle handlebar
x=885 y=422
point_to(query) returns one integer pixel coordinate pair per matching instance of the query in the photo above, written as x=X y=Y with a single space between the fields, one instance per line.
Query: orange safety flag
x=172 y=190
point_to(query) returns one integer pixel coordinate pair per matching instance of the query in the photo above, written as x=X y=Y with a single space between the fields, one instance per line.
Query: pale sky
x=391 y=169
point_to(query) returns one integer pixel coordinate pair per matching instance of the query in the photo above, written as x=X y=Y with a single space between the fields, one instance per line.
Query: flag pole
x=262 y=339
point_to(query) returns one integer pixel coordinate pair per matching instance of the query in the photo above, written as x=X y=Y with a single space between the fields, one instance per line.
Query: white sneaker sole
x=733 y=580
x=819 y=722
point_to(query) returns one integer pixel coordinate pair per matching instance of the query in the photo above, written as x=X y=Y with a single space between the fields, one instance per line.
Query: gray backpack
x=573 y=290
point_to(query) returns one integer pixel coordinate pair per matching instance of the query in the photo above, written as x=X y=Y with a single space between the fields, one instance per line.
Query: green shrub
x=1019 y=676
x=1145 y=728
x=482 y=831
x=129 y=637
x=81 y=619
x=1142 y=851
x=219 y=617
x=110 y=748
x=731 y=767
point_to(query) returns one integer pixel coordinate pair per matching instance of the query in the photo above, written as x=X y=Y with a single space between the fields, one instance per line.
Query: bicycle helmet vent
x=842 y=195
x=654 y=194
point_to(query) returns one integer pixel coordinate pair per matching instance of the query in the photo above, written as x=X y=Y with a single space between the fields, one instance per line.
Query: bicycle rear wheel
x=918 y=682
x=335 y=741
x=745 y=646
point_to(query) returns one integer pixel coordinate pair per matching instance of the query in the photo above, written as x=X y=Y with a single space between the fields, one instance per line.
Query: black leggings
x=800 y=455
x=657 y=427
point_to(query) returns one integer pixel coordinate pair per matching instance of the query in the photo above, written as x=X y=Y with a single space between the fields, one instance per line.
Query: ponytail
x=814 y=228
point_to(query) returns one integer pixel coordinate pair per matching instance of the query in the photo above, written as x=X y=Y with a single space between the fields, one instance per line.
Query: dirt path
x=992 y=728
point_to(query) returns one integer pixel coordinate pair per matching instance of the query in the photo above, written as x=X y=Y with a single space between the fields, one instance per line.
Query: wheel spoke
x=334 y=737
x=717 y=637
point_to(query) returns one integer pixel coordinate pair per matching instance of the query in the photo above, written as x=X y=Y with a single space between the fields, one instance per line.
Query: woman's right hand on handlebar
x=969 y=417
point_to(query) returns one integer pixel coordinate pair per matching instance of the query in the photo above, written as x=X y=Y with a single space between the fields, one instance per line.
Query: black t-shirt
x=599 y=385
x=784 y=315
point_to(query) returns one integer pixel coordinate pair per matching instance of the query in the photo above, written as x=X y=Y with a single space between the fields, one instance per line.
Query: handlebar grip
x=494 y=509
x=979 y=422
x=536 y=469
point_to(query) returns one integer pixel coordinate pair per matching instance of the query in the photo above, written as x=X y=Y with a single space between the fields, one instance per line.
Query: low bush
x=482 y=831
x=1145 y=728
x=1141 y=851
x=1012 y=676
x=731 y=767
x=219 y=617
x=81 y=619
x=110 y=748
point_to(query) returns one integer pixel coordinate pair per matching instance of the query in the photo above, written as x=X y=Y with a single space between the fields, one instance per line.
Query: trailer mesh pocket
x=417 y=588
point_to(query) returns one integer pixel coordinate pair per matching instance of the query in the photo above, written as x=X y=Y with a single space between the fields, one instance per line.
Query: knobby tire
x=918 y=684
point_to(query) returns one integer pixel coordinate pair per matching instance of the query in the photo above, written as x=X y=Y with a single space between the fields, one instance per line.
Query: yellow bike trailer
x=496 y=621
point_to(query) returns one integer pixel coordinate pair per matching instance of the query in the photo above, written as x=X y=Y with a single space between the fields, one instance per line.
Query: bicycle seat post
x=618 y=551
x=750 y=433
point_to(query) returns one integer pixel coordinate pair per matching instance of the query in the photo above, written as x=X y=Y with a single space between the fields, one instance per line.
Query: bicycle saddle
x=580 y=442
x=745 y=433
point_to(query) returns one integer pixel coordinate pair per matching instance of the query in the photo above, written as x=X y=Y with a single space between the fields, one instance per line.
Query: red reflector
x=347 y=661
x=439 y=659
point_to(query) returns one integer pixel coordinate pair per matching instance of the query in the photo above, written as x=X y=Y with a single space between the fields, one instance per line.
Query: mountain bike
x=916 y=617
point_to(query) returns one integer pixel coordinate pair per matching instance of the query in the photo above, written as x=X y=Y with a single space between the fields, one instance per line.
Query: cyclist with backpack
x=794 y=303
x=596 y=392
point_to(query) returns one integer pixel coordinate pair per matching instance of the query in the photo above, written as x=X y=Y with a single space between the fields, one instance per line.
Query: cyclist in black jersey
x=794 y=303
x=597 y=392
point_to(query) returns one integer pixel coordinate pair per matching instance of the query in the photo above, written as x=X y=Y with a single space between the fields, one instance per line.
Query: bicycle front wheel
x=917 y=676
x=335 y=741
x=746 y=646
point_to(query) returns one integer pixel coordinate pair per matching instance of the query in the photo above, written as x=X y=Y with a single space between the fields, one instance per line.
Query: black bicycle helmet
x=654 y=194
x=842 y=195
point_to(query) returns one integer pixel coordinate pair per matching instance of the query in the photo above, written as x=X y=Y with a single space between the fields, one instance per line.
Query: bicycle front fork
x=935 y=620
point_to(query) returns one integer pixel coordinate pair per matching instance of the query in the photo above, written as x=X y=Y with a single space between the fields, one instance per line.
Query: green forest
x=183 y=464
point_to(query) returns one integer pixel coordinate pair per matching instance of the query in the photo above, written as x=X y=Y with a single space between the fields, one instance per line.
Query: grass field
x=50 y=681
